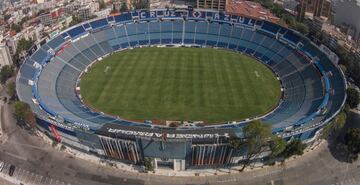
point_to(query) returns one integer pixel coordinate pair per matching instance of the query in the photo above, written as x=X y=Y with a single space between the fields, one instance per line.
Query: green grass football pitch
x=160 y=84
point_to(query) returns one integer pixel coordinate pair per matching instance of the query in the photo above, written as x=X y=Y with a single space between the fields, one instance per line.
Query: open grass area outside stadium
x=199 y=84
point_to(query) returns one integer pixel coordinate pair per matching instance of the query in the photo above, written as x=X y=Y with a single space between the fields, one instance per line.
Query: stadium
x=298 y=86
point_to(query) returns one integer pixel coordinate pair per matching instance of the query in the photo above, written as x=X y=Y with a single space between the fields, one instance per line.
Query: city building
x=94 y=6
x=39 y=1
x=116 y=5
x=335 y=38
x=219 y=5
x=347 y=14
x=11 y=42
x=155 y=4
x=45 y=19
x=103 y=13
x=84 y=13
x=250 y=9
x=313 y=8
x=5 y=57
x=315 y=23
x=56 y=13
x=288 y=5
x=71 y=8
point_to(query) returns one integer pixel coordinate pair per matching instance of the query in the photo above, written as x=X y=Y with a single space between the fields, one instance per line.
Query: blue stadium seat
x=77 y=31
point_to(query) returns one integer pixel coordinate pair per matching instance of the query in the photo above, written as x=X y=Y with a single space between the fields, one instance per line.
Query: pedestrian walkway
x=3 y=135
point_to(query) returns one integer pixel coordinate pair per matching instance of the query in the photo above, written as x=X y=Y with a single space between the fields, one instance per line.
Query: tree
x=351 y=62
x=23 y=113
x=15 y=27
x=352 y=141
x=75 y=20
x=302 y=28
x=5 y=73
x=288 y=19
x=11 y=90
x=23 y=20
x=141 y=4
x=343 y=55
x=336 y=125
x=295 y=147
x=123 y=7
x=24 y=45
x=352 y=97
x=277 y=146
x=148 y=164
x=339 y=121
x=256 y=140
x=343 y=68
x=16 y=60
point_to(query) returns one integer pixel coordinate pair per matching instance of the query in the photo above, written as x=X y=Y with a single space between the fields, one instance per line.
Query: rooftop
x=341 y=38
x=250 y=9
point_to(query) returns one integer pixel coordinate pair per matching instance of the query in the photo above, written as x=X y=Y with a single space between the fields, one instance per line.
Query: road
x=39 y=163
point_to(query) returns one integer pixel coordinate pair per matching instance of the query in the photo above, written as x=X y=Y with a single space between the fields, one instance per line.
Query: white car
x=2 y=164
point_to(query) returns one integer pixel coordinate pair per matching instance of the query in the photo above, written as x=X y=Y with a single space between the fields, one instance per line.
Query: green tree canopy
x=352 y=97
x=352 y=140
x=123 y=7
x=148 y=164
x=11 y=90
x=5 y=73
x=289 y=19
x=353 y=68
x=141 y=4
x=302 y=28
x=351 y=63
x=336 y=125
x=277 y=146
x=15 y=27
x=75 y=20
x=294 y=147
x=23 y=113
x=256 y=140
x=24 y=45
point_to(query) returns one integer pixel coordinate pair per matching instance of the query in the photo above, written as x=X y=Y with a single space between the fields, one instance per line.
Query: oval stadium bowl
x=313 y=85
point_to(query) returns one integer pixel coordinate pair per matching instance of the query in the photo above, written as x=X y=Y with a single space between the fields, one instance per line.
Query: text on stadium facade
x=215 y=16
x=167 y=135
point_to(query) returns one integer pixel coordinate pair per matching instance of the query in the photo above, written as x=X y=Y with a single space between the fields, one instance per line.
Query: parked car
x=11 y=170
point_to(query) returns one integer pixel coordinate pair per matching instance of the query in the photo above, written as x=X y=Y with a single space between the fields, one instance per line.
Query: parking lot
x=28 y=177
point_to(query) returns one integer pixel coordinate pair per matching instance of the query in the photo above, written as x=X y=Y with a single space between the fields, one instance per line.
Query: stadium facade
x=313 y=86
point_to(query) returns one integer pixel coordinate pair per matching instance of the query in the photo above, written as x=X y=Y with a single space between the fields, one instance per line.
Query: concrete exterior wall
x=5 y=57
